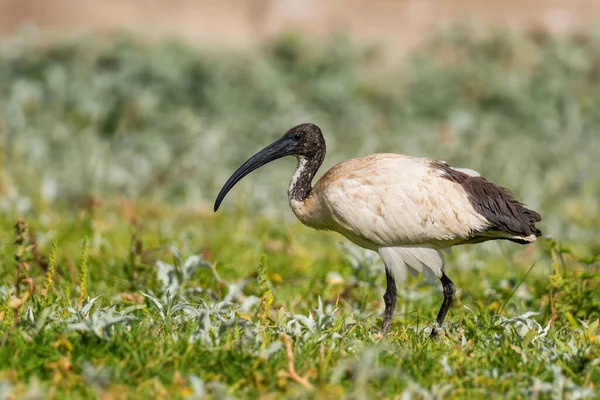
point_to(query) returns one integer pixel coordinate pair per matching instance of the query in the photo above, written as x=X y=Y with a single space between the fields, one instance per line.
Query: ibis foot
x=436 y=332
x=449 y=291
x=389 y=298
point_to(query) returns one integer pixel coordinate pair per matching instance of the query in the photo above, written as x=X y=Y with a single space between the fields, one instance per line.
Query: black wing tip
x=535 y=217
x=494 y=202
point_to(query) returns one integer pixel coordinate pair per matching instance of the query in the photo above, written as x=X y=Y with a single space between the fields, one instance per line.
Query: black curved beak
x=281 y=148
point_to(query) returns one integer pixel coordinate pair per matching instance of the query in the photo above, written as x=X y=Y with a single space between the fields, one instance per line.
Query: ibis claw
x=435 y=332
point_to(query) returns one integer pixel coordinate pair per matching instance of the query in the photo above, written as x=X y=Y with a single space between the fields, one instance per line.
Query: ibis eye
x=296 y=136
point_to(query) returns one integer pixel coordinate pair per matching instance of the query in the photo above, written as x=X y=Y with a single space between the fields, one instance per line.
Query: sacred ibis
x=408 y=209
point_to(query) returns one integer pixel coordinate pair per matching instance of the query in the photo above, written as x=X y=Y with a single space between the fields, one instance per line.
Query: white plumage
x=358 y=199
x=414 y=259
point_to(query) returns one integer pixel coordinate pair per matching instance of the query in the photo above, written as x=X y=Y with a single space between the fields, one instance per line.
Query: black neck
x=301 y=185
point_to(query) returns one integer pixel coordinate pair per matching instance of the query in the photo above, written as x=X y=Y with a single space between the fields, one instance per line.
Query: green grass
x=233 y=344
x=115 y=150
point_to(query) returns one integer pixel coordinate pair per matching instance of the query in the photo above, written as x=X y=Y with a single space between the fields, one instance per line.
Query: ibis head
x=304 y=141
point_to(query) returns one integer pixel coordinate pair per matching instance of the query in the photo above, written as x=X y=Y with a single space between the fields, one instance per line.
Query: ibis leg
x=389 y=299
x=449 y=292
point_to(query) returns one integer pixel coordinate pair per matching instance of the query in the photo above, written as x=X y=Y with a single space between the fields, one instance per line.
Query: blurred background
x=161 y=100
x=399 y=24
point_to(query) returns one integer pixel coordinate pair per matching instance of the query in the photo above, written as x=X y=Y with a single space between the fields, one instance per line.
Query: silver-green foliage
x=94 y=116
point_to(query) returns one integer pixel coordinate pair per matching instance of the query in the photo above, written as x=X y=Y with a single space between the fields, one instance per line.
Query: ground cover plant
x=117 y=280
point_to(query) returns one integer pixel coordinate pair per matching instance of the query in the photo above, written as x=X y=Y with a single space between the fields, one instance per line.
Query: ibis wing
x=390 y=200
